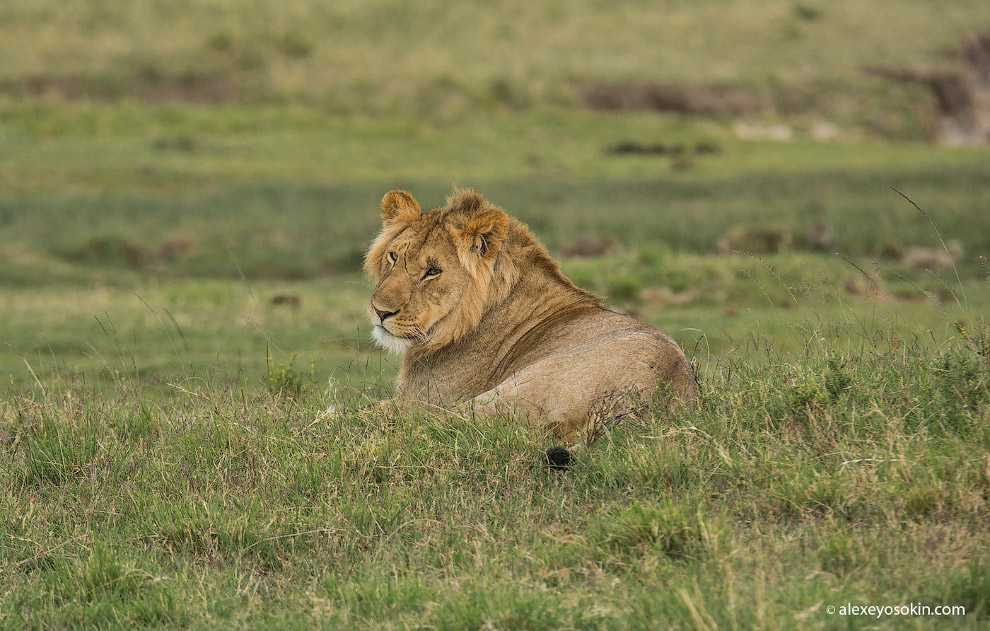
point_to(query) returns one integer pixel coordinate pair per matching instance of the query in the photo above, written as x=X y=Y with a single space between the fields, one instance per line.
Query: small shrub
x=807 y=392
x=837 y=380
x=285 y=380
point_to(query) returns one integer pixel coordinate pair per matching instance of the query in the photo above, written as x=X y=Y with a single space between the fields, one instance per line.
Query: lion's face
x=420 y=280
x=433 y=271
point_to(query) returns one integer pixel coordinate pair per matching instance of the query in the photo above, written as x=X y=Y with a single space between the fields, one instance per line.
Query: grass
x=444 y=62
x=174 y=468
x=177 y=315
x=287 y=194
x=185 y=193
x=237 y=509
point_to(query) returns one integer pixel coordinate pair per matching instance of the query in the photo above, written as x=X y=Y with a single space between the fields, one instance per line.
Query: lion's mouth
x=385 y=330
x=391 y=341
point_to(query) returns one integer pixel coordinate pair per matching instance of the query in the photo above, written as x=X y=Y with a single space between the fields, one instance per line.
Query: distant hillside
x=438 y=59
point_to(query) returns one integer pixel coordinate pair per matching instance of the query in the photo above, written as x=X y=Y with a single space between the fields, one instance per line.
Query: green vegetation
x=186 y=190
x=441 y=61
x=862 y=473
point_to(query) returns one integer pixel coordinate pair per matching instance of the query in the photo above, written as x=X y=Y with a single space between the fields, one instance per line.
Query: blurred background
x=187 y=187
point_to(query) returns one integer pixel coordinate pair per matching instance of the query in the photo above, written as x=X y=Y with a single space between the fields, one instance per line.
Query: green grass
x=232 y=508
x=287 y=193
x=186 y=190
x=181 y=301
x=440 y=61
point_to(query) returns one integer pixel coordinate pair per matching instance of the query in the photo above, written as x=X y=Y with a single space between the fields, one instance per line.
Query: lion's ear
x=400 y=206
x=484 y=233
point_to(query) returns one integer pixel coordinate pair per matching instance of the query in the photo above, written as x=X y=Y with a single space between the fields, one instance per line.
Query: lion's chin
x=390 y=342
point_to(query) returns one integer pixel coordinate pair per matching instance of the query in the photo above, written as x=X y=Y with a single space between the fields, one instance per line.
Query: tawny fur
x=501 y=329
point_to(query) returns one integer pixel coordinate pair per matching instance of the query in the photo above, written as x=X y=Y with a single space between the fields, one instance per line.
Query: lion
x=488 y=324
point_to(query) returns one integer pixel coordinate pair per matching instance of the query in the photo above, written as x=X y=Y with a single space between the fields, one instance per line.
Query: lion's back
x=600 y=350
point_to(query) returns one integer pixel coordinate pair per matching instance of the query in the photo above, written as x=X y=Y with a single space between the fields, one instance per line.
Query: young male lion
x=489 y=324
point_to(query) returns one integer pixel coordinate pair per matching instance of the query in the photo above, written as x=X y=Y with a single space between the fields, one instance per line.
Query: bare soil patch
x=684 y=99
x=962 y=97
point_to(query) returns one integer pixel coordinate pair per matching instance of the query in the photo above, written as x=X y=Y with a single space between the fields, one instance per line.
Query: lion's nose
x=383 y=314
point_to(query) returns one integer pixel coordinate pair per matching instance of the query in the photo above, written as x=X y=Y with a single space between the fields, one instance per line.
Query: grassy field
x=186 y=190
x=442 y=62
x=180 y=285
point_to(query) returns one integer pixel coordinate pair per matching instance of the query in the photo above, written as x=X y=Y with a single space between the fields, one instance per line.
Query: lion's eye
x=392 y=256
x=431 y=272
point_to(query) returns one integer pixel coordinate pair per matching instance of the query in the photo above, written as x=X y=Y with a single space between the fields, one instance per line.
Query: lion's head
x=436 y=272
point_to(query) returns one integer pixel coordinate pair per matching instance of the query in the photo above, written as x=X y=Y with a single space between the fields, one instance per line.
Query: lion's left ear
x=484 y=233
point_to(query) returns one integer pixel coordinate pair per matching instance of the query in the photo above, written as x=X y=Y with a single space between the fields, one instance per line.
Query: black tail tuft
x=558 y=458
